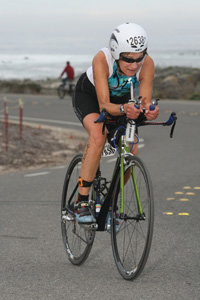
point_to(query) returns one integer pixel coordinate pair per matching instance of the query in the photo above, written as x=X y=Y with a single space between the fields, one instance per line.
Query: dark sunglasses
x=131 y=60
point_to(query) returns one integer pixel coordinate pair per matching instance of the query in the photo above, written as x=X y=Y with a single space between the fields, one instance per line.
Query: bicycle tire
x=78 y=239
x=131 y=243
x=61 y=91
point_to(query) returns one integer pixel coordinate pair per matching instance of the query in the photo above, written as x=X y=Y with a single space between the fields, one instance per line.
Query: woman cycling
x=106 y=84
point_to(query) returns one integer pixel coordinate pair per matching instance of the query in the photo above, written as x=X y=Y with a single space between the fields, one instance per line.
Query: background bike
x=66 y=87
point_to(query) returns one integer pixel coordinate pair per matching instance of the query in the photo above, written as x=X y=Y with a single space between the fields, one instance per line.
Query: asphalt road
x=47 y=110
x=33 y=261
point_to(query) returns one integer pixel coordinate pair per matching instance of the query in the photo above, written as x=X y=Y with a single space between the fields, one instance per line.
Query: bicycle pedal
x=67 y=216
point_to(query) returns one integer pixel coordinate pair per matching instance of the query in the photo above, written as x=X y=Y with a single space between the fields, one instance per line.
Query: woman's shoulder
x=105 y=56
x=106 y=51
x=147 y=69
x=148 y=61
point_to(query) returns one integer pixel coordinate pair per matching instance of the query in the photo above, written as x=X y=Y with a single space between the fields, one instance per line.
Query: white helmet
x=127 y=37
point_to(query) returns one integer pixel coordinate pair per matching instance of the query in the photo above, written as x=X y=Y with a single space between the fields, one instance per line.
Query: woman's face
x=129 y=62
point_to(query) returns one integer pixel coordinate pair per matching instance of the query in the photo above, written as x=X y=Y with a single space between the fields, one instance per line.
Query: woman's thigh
x=94 y=129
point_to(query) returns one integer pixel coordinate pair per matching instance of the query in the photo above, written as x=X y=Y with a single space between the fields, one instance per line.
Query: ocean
x=36 y=66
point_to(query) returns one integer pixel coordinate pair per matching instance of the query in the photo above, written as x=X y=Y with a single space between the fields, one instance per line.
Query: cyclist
x=106 y=84
x=69 y=70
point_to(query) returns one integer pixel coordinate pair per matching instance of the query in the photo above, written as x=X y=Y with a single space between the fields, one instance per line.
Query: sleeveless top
x=119 y=85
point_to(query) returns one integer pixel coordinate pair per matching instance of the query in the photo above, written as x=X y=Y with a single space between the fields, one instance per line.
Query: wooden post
x=21 y=104
x=6 y=123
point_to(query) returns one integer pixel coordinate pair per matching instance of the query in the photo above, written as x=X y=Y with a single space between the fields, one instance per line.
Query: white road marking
x=46 y=121
x=36 y=174
x=141 y=146
x=57 y=167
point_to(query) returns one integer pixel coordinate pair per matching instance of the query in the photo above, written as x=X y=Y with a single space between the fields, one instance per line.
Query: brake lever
x=102 y=117
x=152 y=105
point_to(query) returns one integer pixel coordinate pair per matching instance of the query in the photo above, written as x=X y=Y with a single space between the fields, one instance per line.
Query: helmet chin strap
x=118 y=67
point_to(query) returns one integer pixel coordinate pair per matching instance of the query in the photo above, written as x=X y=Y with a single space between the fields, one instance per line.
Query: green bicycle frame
x=124 y=149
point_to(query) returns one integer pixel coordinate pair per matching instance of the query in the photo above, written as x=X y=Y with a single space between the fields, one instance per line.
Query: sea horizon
x=38 y=66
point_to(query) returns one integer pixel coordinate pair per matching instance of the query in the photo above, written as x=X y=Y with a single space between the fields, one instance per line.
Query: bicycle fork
x=123 y=180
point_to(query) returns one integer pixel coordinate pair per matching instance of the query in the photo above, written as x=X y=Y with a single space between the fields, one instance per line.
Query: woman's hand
x=131 y=111
x=151 y=114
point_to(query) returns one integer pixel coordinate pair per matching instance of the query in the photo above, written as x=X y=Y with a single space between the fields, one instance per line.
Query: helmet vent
x=116 y=29
x=113 y=37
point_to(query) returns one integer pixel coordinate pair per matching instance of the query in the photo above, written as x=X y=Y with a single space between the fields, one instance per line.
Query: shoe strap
x=81 y=204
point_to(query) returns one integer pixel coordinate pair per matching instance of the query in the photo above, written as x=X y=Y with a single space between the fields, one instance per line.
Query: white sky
x=90 y=22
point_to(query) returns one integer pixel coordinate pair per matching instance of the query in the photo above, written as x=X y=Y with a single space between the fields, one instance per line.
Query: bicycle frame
x=108 y=198
x=124 y=153
x=121 y=162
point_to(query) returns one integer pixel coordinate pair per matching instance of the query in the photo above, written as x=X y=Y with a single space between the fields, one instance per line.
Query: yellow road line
x=183 y=214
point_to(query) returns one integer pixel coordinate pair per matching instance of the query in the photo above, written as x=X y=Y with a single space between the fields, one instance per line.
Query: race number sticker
x=108 y=150
x=136 y=41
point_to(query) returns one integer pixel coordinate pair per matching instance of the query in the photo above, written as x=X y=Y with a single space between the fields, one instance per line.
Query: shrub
x=195 y=96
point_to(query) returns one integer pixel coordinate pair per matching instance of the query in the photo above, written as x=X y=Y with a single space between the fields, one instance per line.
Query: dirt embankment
x=39 y=147
x=177 y=83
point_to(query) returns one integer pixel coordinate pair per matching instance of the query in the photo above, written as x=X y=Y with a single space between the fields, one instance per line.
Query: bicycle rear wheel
x=132 y=236
x=61 y=91
x=78 y=239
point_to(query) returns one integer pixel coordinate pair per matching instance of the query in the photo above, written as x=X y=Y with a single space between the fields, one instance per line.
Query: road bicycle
x=66 y=87
x=123 y=206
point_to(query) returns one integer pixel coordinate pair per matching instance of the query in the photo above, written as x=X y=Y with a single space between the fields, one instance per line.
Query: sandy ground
x=38 y=146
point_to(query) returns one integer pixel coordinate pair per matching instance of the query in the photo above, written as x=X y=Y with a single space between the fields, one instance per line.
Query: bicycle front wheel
x=78 y=239
x=132 y=229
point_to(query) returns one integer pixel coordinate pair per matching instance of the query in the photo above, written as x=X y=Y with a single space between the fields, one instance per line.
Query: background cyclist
x=106 y=84
x=69 y=70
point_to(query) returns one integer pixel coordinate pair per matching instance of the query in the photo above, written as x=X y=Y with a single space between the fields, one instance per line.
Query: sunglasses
x=131 y=60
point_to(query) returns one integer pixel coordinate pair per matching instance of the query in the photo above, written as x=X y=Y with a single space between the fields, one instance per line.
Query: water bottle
x=130 y=127
x=130 y=131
